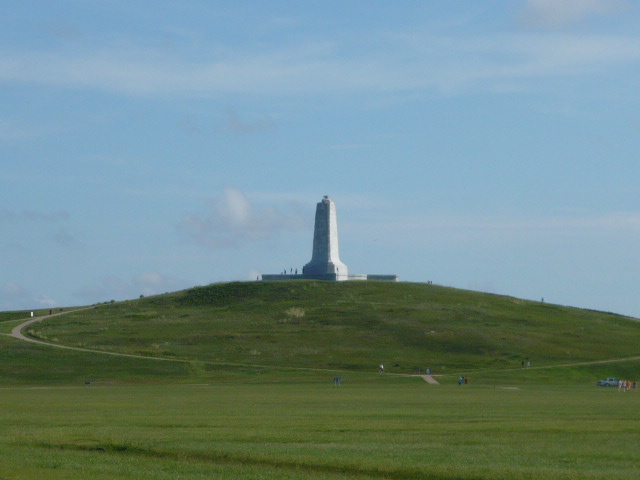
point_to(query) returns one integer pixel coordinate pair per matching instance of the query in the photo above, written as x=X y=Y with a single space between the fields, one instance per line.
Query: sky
x=152 y=146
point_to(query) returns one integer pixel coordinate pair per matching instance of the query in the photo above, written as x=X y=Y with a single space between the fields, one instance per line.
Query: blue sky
x=151 y=146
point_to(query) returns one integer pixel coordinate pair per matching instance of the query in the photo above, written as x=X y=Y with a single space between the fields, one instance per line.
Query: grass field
x=235 y=381
x=369 y=428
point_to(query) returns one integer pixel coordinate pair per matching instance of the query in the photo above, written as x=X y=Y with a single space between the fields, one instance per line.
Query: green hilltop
x=346 y=326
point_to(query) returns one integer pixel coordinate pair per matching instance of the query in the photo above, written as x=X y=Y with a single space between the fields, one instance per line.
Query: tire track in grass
x=213 y=457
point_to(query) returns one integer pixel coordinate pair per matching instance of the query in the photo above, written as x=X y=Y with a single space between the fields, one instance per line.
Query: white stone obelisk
x=325 y=260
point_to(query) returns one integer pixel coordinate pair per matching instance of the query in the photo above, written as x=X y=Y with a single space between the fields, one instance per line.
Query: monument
x=325 y=263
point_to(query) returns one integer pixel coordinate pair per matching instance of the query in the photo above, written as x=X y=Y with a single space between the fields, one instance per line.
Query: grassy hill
x=353 y=326
x=234 y=381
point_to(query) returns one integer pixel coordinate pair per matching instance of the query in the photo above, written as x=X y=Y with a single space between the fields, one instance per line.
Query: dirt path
x=429 y=379
x=17 y=330
x=17 y=333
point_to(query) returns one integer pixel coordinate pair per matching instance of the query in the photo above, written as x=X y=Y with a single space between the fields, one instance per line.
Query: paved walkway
x=430 y=379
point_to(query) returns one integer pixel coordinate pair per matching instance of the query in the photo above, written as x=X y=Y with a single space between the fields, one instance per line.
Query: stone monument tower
x=325 y=260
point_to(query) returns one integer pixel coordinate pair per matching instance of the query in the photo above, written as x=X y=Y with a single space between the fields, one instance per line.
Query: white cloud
x=400 y=63
x=559 y=13
x=232 y=220
x=452 y=64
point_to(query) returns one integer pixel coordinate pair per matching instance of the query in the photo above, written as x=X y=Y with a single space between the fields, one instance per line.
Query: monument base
x=272 y=277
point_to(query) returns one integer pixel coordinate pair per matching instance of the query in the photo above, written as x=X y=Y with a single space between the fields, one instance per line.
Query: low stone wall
x=271 y=277
x=358 y=276
x=383 y=278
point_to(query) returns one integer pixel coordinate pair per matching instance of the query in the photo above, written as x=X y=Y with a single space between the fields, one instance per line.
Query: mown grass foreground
x=235 y=381
x=379 y=429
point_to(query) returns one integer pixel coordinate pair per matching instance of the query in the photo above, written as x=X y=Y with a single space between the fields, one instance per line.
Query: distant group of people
x=284 y=272
x=463 y=380
x=626 y=385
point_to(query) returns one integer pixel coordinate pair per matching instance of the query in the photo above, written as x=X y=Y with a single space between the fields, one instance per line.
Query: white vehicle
x=608 y=382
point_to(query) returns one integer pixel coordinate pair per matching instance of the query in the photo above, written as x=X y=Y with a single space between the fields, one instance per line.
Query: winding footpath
x=17 y=330
x=17 y=333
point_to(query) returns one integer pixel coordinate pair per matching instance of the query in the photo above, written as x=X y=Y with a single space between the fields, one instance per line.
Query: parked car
x=608 y=382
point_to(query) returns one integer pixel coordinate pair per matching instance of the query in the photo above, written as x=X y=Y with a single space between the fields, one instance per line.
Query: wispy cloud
x=454 y=64
x=560 y=13
x=402 y=62
x=14 y=296
x=610 y=224
x=405 y=230
x=231 y=219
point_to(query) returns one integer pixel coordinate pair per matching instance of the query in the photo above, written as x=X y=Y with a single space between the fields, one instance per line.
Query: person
x=460 y=380
x=381 y=369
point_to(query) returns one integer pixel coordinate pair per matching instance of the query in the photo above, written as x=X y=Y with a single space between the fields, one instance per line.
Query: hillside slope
x=348 y=325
